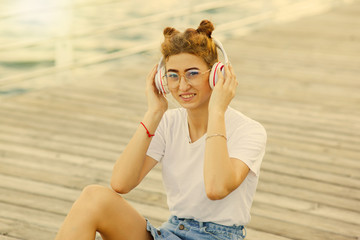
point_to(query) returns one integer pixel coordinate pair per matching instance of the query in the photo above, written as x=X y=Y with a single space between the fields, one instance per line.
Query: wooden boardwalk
x=301 y=80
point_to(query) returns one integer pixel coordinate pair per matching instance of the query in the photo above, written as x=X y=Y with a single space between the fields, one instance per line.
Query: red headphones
x=160 y=77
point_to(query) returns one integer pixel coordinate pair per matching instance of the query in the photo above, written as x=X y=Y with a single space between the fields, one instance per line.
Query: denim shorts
x=189 y=229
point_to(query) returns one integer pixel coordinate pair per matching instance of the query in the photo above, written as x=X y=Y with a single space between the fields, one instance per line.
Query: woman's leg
x=101 y=209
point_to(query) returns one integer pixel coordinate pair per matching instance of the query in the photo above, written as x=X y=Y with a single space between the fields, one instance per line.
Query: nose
x=183 y=84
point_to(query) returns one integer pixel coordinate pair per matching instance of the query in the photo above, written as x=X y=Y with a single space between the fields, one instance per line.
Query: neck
x=198 y=121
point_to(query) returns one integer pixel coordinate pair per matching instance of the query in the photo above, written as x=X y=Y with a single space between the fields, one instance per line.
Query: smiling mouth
x=187 y=96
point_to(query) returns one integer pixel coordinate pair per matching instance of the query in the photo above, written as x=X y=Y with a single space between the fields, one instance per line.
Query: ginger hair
x=197 y=42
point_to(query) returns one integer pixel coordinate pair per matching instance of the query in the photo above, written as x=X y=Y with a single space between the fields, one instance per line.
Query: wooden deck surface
x=301 y=80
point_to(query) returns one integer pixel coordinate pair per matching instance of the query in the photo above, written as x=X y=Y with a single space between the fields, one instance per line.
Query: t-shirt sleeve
x=247 y=143
x=156 y=148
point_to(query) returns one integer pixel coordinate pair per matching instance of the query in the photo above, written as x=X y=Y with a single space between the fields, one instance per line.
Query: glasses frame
x=184 y=75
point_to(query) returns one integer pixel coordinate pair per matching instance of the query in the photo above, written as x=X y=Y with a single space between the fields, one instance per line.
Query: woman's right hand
x=156 y=101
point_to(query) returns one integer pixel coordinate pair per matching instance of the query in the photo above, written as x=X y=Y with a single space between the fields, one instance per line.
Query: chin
x=193 y=105
x=188 y=105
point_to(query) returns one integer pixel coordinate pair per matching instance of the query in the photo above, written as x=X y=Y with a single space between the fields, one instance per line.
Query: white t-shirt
x=182 y=167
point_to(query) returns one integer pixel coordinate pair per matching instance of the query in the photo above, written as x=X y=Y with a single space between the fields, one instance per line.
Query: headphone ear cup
x=160 y=81
x=213 y=77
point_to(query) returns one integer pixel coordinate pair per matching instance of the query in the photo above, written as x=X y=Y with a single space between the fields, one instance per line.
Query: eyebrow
x=175 y=70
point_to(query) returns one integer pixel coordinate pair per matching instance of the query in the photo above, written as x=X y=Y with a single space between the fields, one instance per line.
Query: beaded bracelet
x=216 y=135
x=147 y=131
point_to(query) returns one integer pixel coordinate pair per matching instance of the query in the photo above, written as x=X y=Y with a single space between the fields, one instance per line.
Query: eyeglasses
x=191 y=76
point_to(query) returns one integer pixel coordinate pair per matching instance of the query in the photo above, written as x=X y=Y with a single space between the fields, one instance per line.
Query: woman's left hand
x=224 y=90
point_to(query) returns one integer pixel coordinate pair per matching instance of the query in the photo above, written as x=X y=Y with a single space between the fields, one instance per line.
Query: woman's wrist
x=151 y=120
x=216 y=123
x=156 y=114
x=216 y=113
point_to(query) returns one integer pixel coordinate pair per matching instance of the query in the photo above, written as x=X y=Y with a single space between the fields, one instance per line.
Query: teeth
x=188 y=95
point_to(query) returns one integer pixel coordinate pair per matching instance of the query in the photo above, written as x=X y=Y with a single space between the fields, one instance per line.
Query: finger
x=151 y=75
x=153 y=70
x=221 y=78
x=236 y=82
x=231 y=82
x=231 y=70
x=229 y=76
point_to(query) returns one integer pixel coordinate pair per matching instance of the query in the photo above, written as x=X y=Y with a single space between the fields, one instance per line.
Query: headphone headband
x=220 y=46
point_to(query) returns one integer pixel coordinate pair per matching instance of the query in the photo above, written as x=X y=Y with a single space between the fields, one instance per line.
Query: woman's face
x=193 y=92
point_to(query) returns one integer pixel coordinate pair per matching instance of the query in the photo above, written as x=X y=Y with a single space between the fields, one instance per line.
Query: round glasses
x=191 y=76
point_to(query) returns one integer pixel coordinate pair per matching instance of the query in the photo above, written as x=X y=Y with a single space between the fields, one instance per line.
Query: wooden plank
x=254 y=68
x=312 y=174
x=305 y=194
x=319 y=157
x=66 y=122
x=308 y=207
x=52 y=177
x=291 y=230
x=60 y=147
x=60 y=137
x=310 y=184
x=30 y=216
x=4 y=237
x=300 y=115
x=76 y=172
x=314 y=165
x=43 y=189
x=35 y=201
x=87 y=136
x=304 y=146
x=307 y=220
x=17 y=229
x=48 y=153
x=253 y=234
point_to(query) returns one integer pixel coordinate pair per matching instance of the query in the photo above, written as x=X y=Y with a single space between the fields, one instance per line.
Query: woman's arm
x=133 y=164
x=222 y=174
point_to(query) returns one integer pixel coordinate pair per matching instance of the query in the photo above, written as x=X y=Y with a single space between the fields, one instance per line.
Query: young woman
x=210 y=155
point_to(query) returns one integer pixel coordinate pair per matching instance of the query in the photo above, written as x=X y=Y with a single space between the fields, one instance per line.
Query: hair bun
x=206 y=27
x=169 y=31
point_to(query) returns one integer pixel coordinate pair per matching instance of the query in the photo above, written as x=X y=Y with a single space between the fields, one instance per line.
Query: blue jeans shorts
x=189 y=229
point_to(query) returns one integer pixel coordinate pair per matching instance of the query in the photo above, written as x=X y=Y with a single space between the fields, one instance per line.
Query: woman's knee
x=92 y=191
x=97 y=196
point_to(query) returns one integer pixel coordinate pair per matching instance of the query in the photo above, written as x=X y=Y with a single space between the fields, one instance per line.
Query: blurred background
x=46 y=37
